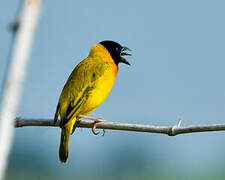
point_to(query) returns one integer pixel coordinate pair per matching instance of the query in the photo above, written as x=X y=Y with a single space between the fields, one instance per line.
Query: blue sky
x=177 y=72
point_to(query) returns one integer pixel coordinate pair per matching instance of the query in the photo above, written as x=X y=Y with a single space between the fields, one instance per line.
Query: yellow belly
x=102 y=89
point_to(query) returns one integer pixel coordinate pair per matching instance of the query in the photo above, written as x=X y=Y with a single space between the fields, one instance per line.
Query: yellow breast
x=100 y=92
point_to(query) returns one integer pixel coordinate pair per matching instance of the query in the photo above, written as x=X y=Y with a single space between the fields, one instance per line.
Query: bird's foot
x=96 y=121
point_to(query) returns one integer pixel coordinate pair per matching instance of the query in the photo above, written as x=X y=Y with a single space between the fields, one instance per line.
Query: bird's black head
x=116 y=51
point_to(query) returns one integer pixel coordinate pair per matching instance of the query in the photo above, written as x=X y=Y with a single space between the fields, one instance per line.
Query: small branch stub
x=171 y=130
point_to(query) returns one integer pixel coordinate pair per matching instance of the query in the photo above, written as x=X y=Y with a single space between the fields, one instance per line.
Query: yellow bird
x=87 y=87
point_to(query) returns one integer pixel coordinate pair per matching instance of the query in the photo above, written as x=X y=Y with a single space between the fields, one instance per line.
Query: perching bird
x=87 y=87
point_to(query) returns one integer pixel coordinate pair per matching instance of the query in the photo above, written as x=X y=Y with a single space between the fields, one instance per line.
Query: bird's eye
x=117 y=50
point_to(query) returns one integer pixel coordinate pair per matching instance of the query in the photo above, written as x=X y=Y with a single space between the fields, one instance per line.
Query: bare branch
x=169 y=130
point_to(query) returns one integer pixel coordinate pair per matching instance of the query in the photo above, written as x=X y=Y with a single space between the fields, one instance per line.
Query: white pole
x=15 y=77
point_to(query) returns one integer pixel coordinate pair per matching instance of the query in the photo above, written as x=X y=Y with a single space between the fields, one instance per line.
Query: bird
x=87 y=87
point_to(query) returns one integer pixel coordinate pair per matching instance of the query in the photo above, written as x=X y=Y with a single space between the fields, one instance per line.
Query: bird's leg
x=96 y=121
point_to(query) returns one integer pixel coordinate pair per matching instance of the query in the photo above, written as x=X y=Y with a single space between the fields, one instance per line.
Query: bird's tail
x=64 y=144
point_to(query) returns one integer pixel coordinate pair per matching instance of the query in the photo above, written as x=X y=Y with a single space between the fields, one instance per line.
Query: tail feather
x=64 y=145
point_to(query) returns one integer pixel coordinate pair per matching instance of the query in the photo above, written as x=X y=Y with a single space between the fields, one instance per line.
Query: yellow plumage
x=86 y=88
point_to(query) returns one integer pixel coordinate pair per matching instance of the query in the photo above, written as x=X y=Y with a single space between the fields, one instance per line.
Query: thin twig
x=169 y=130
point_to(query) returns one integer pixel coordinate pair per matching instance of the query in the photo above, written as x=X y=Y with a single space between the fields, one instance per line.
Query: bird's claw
x=95 y=125
x=96 y=121
x=94 y=129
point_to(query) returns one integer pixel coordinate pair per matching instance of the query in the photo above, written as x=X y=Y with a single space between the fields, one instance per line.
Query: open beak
x=123 y=53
